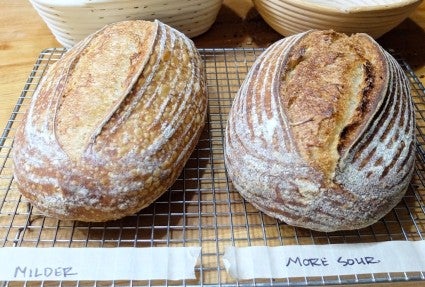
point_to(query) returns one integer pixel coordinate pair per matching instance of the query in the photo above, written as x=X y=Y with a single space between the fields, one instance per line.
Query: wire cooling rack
x=202 y=208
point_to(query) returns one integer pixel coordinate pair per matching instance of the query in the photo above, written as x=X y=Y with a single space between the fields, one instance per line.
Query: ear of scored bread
x=112 y=123
x=321 y=133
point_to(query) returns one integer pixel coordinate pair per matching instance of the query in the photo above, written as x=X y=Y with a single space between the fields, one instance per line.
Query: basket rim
x=303 y=4
x=91 y=3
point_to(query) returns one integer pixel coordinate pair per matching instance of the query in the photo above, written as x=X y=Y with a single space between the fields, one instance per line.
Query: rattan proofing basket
x=374 y=17
x=70 y=21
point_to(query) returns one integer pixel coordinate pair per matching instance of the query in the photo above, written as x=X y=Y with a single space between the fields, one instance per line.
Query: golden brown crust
x=111 y=77
x=321 y=133
x=333 y=82
x=112 y=123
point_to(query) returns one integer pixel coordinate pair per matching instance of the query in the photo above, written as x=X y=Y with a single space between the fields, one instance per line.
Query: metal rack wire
x=202 y=208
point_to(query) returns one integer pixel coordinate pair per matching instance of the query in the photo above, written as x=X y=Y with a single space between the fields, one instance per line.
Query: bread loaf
x=321 y=133
x=112 y=123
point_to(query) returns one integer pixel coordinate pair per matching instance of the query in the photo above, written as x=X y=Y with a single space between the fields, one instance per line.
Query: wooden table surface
x=23 y=35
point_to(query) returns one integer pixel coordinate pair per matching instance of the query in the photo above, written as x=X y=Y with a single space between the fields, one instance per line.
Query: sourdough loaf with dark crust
x=321 y=133
x=112 y=123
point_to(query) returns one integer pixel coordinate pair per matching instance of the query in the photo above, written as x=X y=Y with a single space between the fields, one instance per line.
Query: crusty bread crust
x=321 y=133
x=112 y=123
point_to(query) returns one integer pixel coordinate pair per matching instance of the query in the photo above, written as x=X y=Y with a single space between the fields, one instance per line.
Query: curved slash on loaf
x=112 y=123
x=321 y=133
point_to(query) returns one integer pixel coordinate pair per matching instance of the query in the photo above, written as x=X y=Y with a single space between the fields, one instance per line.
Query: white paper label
x=122 y=263
x=324 y=260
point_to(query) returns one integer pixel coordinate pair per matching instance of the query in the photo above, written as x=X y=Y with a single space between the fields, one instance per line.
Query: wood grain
x=23 y=35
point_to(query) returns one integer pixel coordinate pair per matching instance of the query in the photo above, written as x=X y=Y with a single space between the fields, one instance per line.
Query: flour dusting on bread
x=112 y=123
x=321 y=133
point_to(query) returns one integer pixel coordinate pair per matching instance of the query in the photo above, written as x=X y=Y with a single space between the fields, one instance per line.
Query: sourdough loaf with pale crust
x=321 y=133
x=112 y=123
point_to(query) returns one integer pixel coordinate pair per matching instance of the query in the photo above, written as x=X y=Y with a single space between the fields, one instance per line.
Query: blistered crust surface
x=336 y=79
x=321 y=133
x=93 y=154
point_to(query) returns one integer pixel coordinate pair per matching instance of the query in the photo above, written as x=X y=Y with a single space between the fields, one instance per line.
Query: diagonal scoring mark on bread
x=336 y=88
x=113 y=123
x=321 y=133
x=114 y=87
